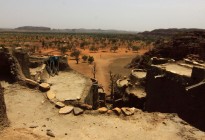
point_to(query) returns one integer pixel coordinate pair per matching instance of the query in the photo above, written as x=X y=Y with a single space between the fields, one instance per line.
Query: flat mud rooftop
x=176 y=68
x=68 y=85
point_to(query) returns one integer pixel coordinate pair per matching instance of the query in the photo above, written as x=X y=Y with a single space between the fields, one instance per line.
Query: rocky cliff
x=184 y=44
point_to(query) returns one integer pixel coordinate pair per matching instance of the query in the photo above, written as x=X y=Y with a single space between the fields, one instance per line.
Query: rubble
x=66 y=110
x=50 y=133
x=109 y=112
x=31 y=83
x=117 y=110
x=77 y=111
x=127 y=111
x=33 y=126
x=59 y=104
x=102 y=110
x=44 y=87
x=86 y=106
x=51 y=95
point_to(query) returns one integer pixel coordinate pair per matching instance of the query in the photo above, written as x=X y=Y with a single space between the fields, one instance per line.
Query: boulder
x=77 y=111
x=44 y=87
x=33 y=126
x=32 y=83
x=117 y=110
x=109 y=112
x=102 y=110
x=128 y=111
x=50 y=133
x=59 y=104
x=51 y=95
x=85 y=106
x=66 y=110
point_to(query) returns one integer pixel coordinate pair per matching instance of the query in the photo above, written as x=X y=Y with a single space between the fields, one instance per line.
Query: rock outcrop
x=178 y=47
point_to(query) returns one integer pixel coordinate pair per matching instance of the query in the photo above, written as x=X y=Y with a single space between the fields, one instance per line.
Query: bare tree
x=111 y=85
x=94 y=70
x=113 y=80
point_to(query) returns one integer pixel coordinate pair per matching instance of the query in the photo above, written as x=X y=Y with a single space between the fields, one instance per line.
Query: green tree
x=113 y=48
x=63 y=49
x=135 y=48
x=84 y=57
x=93 y=48
x=76 y=54
x=82 y=45
x=43 y=43
x=69 y=46
x=90 y=59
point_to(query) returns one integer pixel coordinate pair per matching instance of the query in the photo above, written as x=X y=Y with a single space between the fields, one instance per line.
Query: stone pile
x=118 y=111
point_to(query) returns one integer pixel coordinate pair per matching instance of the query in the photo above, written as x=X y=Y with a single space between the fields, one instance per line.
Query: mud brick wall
x=23 y=60
x=10 y=68
x=63 y=64
x=3 y=115
x=165 y=94
x=168 y=95
x=93 y=96
x=198 y=74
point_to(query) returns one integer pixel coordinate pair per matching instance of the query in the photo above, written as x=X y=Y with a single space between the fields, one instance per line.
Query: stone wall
x=167 y=92
x=63 y=63
x=93 y=96
x=3 y=115
x=23 y=59
x=10 y=69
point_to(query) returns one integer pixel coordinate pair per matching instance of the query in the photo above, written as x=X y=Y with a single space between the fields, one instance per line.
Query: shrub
x=84 y=57
x=93 y=48
x=135 y=48
x=114 y=48
x=76 y=54
x=90 y=59
x=63 y=50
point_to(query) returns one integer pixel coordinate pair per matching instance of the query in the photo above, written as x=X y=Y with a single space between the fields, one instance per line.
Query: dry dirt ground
x=31 y=115
x=106 y=62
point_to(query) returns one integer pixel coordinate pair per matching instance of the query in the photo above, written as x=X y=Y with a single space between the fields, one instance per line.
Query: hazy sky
x=137 y=15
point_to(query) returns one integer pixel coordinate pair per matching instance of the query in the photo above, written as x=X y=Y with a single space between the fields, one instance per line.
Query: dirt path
x=29 y=108
x=102 y=66
x=104 y=62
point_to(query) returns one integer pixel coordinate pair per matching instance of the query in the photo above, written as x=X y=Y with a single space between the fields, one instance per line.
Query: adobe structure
x=177 y=88
x=17 y=66
x=3 y=115
x=11 y=70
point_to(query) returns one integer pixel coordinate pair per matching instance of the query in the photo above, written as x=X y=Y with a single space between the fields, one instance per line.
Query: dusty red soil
x=104 y=61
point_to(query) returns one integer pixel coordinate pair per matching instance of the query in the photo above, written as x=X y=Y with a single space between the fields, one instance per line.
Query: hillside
x=33 y=28
x=80 y=30
x=168 y=32
x=184 y=44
